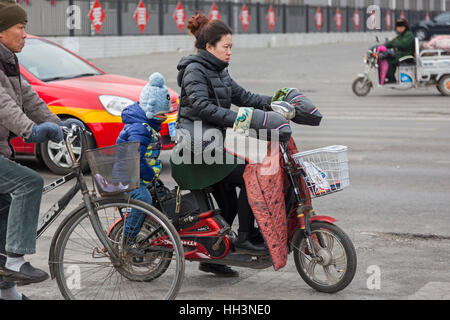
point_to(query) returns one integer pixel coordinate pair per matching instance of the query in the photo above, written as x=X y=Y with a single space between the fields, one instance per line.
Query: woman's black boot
x=256 y=236
x=244 y=245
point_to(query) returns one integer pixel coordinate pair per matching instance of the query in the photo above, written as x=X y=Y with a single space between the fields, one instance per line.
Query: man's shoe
x=26 y=275
x=218 y=269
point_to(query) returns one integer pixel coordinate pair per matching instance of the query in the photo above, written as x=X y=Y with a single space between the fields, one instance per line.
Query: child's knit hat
x=155 y=97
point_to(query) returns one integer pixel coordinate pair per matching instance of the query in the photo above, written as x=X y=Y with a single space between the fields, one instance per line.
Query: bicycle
x=87 y=260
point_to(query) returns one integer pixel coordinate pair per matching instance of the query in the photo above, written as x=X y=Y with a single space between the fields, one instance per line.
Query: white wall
x=102 y=47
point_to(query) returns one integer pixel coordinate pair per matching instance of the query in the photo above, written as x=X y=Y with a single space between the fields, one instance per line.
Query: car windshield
x=48 y=62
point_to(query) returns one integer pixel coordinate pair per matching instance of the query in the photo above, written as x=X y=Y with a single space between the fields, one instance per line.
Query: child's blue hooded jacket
x=146 y=131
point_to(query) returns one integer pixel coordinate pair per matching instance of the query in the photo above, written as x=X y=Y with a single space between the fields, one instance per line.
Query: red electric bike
x=324 y=255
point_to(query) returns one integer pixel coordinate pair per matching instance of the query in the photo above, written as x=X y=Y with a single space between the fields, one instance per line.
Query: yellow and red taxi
x=75 y=88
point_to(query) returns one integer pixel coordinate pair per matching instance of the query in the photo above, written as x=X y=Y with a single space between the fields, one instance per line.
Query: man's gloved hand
x=71 y=121
x=44 y=132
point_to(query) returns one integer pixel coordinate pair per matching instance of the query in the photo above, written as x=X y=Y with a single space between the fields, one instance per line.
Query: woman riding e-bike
x=207 y=92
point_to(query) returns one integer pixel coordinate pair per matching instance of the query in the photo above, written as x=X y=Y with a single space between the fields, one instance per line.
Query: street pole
x=235 y=15
x=197 y=6
x=258 y=18
x=119 y=17
x=394 y=7
x=161 y=17
x=71 y=30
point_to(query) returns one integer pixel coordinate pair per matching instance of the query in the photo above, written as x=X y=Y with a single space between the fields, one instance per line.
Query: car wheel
x=57 y=158
x=421 y=34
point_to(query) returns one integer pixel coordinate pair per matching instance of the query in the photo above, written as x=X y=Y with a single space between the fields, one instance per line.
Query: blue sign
x=405 y=78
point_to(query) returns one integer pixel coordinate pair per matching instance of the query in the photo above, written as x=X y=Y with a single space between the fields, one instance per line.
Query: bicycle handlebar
x=71 y=132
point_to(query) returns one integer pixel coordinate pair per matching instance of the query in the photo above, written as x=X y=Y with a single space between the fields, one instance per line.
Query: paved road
x=397 y=208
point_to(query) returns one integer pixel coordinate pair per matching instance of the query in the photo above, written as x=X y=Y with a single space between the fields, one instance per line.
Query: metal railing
x=71 y=17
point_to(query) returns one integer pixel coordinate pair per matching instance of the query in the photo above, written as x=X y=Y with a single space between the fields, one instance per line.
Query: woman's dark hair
x=206 y=31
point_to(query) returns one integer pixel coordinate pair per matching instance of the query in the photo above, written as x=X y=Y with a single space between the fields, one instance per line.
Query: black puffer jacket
x=198 y=94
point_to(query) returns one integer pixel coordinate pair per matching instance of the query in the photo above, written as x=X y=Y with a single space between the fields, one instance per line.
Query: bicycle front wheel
x=85 y=269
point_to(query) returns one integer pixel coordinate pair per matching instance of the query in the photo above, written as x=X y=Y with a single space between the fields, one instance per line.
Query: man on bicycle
x=23 y=114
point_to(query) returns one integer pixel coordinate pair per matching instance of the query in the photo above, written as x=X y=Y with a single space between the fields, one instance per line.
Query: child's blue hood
x=135 y=114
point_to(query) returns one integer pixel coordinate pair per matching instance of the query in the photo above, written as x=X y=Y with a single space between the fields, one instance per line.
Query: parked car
x=75 y=88
x=425 y=29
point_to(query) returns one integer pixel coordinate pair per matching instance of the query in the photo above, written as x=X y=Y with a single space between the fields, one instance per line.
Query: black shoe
x=244 y=245
x=27 y=275
x=256 y=236
x=218 y=269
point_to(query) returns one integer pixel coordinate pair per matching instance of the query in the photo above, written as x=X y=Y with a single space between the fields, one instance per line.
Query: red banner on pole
x=319 y=19
x=179 y=16
x=214 y=13
x=245 y=17
x=388 y=20
x=141 y=16
x=271 y=18
x=338 y=19
x=97 y=16
x=356 y=19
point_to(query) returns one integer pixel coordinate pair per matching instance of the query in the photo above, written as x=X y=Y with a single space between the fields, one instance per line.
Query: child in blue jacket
x=142 y=123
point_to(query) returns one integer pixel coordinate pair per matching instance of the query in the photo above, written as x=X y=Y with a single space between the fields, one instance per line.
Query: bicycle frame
x=61 y=204
x=80 y=185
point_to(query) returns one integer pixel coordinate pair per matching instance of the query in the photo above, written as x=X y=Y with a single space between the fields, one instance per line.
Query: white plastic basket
x=326 y=169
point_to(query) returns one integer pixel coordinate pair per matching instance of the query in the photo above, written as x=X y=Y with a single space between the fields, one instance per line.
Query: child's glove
x=44 y=132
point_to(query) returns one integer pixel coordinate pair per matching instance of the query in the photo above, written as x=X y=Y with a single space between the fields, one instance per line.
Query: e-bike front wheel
x=361 y=86
x=335 y=265
x=85 y=269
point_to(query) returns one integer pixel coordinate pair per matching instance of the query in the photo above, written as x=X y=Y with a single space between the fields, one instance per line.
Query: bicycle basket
x=325 y=169
x=115 y=169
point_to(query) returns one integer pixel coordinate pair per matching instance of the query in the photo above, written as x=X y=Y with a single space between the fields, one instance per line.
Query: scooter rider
x=403 y=45
x=23 y=114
